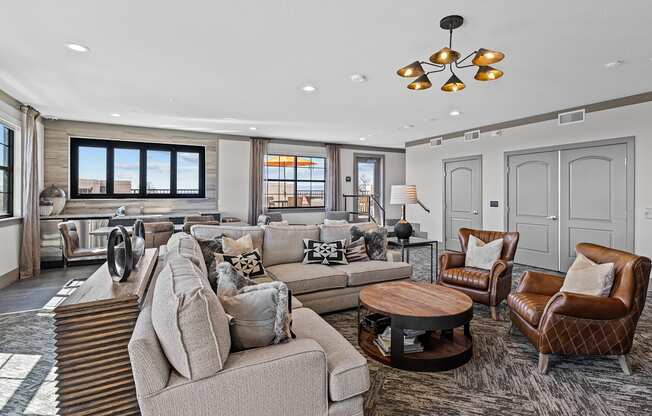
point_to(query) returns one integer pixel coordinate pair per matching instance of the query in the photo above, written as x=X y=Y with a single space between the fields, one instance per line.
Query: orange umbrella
x=285 y=161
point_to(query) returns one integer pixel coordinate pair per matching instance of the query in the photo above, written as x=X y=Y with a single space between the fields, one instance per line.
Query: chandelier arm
x=436 y=71
x=431 y=64
x=465 y=58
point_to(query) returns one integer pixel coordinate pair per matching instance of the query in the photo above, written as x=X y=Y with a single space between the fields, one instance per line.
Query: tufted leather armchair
x=489 y=287
x=570 y=323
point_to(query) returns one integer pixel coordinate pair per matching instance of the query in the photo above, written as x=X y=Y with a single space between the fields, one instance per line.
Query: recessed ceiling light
x=455 y=113
x=408 y=126
x=613 y=64
x=358 y=78
x=252 y=128
x=77 y=47
x=309 y=88
x=362 y=139
x=115 y=115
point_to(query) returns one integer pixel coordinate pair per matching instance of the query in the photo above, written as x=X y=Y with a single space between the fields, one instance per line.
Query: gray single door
x=533 y=192
x=463 y=198
x=593 y=199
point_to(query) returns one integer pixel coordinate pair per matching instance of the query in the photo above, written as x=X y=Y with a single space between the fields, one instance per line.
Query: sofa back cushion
x=284 y=244
x=189 y=320
x=335 y=232
x=185 y=246
x=232 y=231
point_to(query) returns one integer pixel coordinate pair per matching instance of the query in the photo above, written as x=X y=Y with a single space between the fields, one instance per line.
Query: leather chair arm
x=541 y=283
x=585 y=306
x=500 y=267
x=451 y=259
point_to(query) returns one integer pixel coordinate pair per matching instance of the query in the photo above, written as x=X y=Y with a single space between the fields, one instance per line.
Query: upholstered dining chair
x=71 y=247
x=157 y=233
x=571 y=323
x=191 y=220
x=489 y=287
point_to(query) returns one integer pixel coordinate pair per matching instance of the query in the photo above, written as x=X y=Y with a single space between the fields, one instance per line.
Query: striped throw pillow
x=357 y=251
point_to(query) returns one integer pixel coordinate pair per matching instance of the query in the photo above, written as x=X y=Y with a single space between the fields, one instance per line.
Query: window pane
x=187 y=173
x=280 y=194
x=4 y=135
x=126 y=173
x=317 y=194
x=4 y=155
x=92 y=170
x=4 y=180
x=158 y=171
x=4 y=203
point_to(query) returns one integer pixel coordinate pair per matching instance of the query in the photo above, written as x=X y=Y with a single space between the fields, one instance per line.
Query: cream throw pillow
x=589 y=278
x=482 y=255
x=236 y=247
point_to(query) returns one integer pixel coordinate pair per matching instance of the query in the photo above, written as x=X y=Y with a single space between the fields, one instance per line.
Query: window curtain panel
x=257 y=185
x=333 y=189
x=30 y=248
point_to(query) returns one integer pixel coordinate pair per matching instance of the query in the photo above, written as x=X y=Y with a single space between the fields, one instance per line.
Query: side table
x=406 y=245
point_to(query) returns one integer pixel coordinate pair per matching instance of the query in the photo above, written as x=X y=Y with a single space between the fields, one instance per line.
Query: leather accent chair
x=489 y=287
x=71 y=247
x=157 y=233
x=191 y=220
x=571 y=323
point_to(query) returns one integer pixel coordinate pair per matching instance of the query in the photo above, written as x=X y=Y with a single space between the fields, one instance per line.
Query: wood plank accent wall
x=56 y=158
x=93 y=327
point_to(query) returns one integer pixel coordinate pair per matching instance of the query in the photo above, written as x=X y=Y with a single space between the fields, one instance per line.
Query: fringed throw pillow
x=356 y=251
x=375 y=241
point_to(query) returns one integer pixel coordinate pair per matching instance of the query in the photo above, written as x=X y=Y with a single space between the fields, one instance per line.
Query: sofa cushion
x=348 y=375
x=467 y=277
x=373 y=271
x=529 y=306
x=284 y=244
x=189 y=320
x=334 y=232
x=305 y=278
x=184 y=245
x=232 y=231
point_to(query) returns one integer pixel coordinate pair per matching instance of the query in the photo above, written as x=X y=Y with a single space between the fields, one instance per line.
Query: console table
x=406 y=245
x=93 y=327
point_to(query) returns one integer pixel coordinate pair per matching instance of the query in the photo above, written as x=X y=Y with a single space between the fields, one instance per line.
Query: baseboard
x=9 y=278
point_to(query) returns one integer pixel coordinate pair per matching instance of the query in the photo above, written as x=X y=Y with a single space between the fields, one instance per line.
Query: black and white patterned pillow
x=356 y=251
x=249 y=265
x=319 y=252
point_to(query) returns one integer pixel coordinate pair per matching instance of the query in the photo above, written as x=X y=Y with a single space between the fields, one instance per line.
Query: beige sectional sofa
x=318 y=373
x=319 y=287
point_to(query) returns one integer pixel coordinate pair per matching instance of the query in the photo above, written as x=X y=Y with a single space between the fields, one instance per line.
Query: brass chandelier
x=447 y=57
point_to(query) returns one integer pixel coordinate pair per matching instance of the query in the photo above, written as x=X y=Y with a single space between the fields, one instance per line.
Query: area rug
x=502 y=377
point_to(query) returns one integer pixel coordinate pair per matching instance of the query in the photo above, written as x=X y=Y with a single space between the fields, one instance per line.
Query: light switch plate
x=648 y=213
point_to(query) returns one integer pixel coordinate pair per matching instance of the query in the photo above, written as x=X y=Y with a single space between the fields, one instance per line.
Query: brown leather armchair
x=158 y=233
x=489 y=287
x=191 y=220
x=570 y=323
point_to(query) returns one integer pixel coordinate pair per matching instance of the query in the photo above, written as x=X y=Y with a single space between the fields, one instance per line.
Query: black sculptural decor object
x=124 y=252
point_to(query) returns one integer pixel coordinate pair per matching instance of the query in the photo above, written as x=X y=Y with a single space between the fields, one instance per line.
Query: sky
x=92 y=165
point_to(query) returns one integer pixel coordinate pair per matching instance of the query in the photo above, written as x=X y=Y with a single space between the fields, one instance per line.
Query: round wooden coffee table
x=442 y=312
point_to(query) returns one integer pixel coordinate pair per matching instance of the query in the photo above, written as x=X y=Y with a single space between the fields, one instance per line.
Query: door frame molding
x=443 y=189
x=629 y=141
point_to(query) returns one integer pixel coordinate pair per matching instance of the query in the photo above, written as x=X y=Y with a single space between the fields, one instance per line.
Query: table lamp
x=403 y=195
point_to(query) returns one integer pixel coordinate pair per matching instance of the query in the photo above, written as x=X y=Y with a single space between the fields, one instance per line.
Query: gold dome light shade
x=444 y=56
x=453 y=84
x=488 y=73
x=421 y=83
x=485 y=57
x=413 y=70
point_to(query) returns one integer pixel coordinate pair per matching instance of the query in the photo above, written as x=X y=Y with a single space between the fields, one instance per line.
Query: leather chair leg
x=543 y=363
x=494 y=312
x=624 y=364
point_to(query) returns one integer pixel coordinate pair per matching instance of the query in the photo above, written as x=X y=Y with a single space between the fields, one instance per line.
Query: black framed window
x=122 y=169
x=295 y=181
x=6 y=171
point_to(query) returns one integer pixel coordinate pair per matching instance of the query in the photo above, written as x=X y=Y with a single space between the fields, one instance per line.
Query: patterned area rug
x=502 y=377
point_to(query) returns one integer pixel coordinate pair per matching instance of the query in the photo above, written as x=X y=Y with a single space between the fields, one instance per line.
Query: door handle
x=475 y=212
x=552 y=217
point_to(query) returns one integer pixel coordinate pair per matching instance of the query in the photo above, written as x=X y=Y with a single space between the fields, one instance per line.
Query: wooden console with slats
x=93 y=327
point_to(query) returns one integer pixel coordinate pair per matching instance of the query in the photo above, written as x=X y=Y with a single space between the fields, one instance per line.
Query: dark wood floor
x=31 y=294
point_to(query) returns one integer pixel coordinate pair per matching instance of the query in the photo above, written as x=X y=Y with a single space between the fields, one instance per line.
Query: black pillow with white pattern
x=249 y=265
x=319 y=252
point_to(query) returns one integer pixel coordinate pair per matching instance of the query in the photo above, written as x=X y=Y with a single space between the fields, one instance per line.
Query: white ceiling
x=224 y=66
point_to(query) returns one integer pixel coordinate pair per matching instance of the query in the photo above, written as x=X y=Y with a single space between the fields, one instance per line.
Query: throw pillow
x=356 y=251
x=208 y=249
x=319 y=252
x=589 y=278
x=229 y=281
x=334 y=222
x=234 y=247
x=375 y=239
x=259 y=315
x=482 y=255
x=249 y=265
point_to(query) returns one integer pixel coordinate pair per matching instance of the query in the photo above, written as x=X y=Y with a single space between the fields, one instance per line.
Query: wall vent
x=471 y=135
x=436 y=142
x=571 y=117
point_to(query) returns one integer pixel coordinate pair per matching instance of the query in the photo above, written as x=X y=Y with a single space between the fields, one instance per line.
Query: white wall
x=424 y=164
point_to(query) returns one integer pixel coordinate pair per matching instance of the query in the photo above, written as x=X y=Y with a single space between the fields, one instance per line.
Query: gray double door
x=559 y=198
x=462 y=198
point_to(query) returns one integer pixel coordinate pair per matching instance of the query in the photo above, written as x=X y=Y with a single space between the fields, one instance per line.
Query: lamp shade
x=403 y=195
x=485 y=57
x=488 y=73
x=413 y=70
x=453 y=84
x=420 y=83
